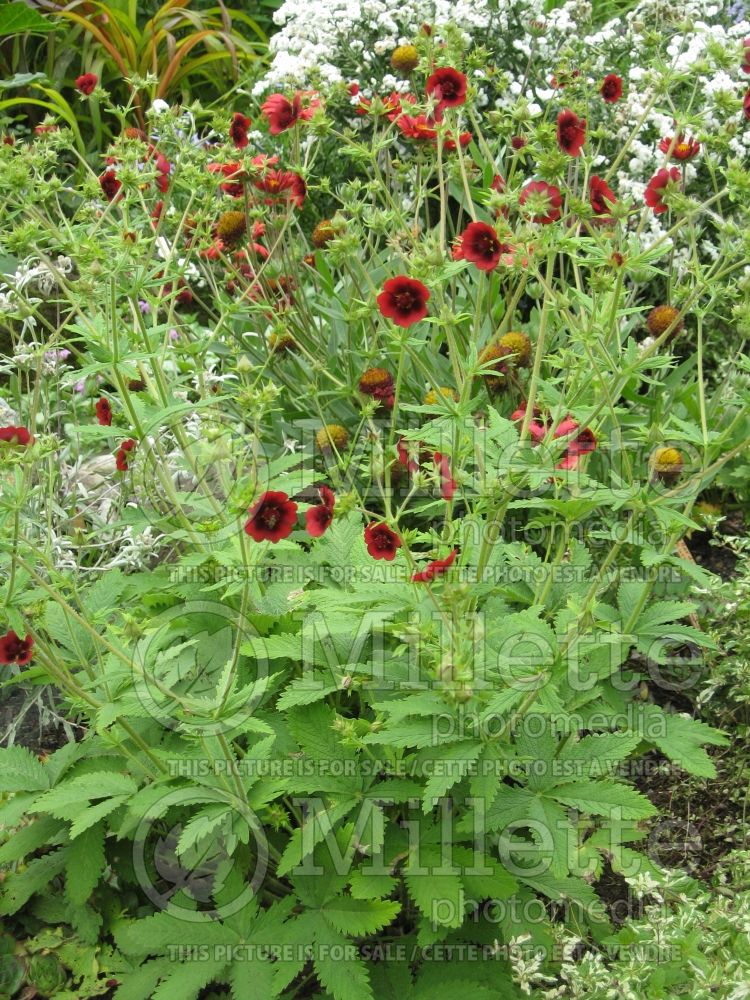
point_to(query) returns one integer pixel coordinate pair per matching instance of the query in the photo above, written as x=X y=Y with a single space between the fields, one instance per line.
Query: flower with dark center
x=435 y=568
x=666 y=465
x=86 y=83
x=272 y=518
x=332 y=437
x=381 y=541
x=448 y=87
x=318 y=518
x=110 y=184
x=658 y=186
x=661 y=318
x=544 y=200
x=238 y=130
x=378 y=383
x=104 y=412
x=14 y=649
x=481 y=245
x=404 y=59
x=611 y=89
x=600 y=194
x=16 y=436
x=571 y=132
x=231 y=227
x=403 y=300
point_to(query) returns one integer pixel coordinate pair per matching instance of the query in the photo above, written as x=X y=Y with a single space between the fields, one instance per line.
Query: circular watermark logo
x=187 y=863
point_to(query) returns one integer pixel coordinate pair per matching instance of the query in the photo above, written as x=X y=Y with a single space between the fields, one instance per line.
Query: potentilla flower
x=122 y=454
x=404 y=59
x=417 y=127
x=680 y=148
x=582 y=444
x=381 y=541
x=611 y=89
x=318 y=518
x=571 y=132
x=163 y=168
x=600 y=194
x=231 y=227
x=378 y=383
x=657 y=188
x=16 y=436
x=435 y=568
x=519 y=142
x=746 y=56
x=447 y=482
x=481 y=245
x=86 y=83
x=14 y=649
x=104 y=412
x=403 y=300
x=110 y=184
x=282 y=114
x=332 y=436
x=448 y=87
x=272 y=518
x=661 y=318
x=450 y=144
x=284 y=183
x=238 y=130
x=545 y=201
x=666 y=465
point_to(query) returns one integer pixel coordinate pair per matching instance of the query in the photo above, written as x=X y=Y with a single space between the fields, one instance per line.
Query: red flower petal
x=272 y=518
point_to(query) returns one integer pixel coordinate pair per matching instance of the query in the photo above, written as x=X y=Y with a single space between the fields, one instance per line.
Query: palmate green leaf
x=338 y=966
x=84 y=864
x=74 y=792
x=680 y=738
x=605 y=798
x=304 y=691
x=20 y=771
x=596 y=755
x=187 y=980
x=447 y=768
x=363 y=885
x=19 y=887
x=312 y=832
x=437 y=891
x=154 y=935
x=359 y=917
x=43 y=830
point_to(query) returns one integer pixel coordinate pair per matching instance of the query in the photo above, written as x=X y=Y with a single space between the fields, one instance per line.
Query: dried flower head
x=661 y=318
x=231 y=227
x=323 y=233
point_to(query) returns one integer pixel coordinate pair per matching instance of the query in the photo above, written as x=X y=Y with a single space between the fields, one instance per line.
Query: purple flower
x=144 y=307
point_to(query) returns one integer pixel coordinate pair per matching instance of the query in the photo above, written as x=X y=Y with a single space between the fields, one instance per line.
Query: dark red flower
x=272 y=518
x=163 y=168
x=654 y=194
x=435 y=568
x=448 y=87
x=518 y=142
x=554 y=200
x=238 y=130
x=281 y=113
x=381 y=541
x=746 y=56
x=447 y=482
x=110 y=184
x=746 y=105
x=571 y=132
x=13 y=649
x=87 y=82
x=680 y=148
x=122 y=453
x=104 y=412
x=481 y=245
x=403 y=300
x=318 y=518
x=237 y=175
x=450 y=143
x=599 y=194
x=582 y=444
x=16 y=435
x=611 y=89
